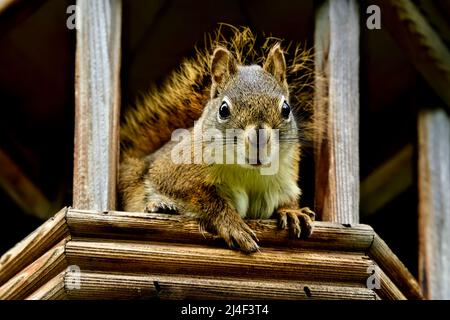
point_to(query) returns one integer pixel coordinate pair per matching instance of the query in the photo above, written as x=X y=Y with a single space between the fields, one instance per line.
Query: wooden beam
x=174 y=259
x=180 y=229
x=337 y=110
x=97 y=100
x=386 y=182
x=33 y=246
x=283 y=265
x=420 y=43
x=97 y=285
x=36 y=274
x=55 y=289
x=394 y=269
x=22 y=190
x=434 y=203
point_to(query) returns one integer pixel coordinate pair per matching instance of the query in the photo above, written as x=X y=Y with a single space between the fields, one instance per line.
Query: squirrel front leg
x=219 y=217
x=299 y=220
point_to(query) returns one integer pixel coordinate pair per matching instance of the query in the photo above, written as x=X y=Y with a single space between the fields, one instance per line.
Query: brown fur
x=149 y=179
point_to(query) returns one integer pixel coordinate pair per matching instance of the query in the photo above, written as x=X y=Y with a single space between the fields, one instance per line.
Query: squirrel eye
x=285 y=110
x=224 y=111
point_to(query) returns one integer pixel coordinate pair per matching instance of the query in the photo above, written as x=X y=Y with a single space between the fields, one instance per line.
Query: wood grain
x=96 y=285
x=97 y=104
x=388 y=290
x=153 y=257
x=328 y=236
x=394 y=269
x=52 y=290
x=180 y=229
x=434 y=203
x=337 y=111
x=36 y=274
x=33 y=246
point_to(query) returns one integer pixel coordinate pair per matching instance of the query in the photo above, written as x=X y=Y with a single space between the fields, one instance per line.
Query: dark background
x=37 y=94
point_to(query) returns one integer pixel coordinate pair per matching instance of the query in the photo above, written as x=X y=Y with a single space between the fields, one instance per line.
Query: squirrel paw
x=298 y=220
x=160 y=206
x=239 y=235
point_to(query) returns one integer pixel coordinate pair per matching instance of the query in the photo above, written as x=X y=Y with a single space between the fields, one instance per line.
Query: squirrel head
x=251 y=98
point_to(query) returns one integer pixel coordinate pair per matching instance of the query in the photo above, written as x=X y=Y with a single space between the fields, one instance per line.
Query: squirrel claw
x=299 y=221
x=240 y=237
x=154 y=206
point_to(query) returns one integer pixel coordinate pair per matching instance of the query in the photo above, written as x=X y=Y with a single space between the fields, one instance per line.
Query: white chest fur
x=254 y=195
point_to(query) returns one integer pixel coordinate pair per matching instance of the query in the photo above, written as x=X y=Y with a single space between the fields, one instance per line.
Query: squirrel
x=218 y=94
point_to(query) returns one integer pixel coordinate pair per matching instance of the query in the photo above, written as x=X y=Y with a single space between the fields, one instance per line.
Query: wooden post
x=434 y=203
x=97 y=95
x=337 y=110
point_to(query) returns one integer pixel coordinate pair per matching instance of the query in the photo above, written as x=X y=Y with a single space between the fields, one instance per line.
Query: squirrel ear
x=275 y=64
x=223 y=67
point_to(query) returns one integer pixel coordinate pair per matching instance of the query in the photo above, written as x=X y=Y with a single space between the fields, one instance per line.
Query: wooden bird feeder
x=91 y=251
x=80 y=254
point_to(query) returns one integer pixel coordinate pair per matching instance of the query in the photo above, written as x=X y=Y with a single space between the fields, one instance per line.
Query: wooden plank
x=96 y=285
x=180 y=229
x=175 y=259
x=33 y=246
x=386 y=182
x=97 y=95
x=36 y=274
x=394 y=269
x=337 y=110
x=420 y=43
x=388 y=290
x=434 y=203
x=52 y=290
x=22 y=190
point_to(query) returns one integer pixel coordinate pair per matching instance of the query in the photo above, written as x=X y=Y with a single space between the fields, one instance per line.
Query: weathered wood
x=180 y=229
x=387 y=181
x=33 y=246
x=36 y=274
x=394 y=269
x=52 y=290
x=420 y=43
x=95 y=285
x=127 y=244
x=152 y=257
x=97 y=101
x=434 y=203
x=337 y=110
x=388 y=290
x=22 y=190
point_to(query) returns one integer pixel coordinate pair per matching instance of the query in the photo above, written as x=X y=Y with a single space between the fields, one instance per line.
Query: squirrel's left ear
x=275 y=64
x=223 y=67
